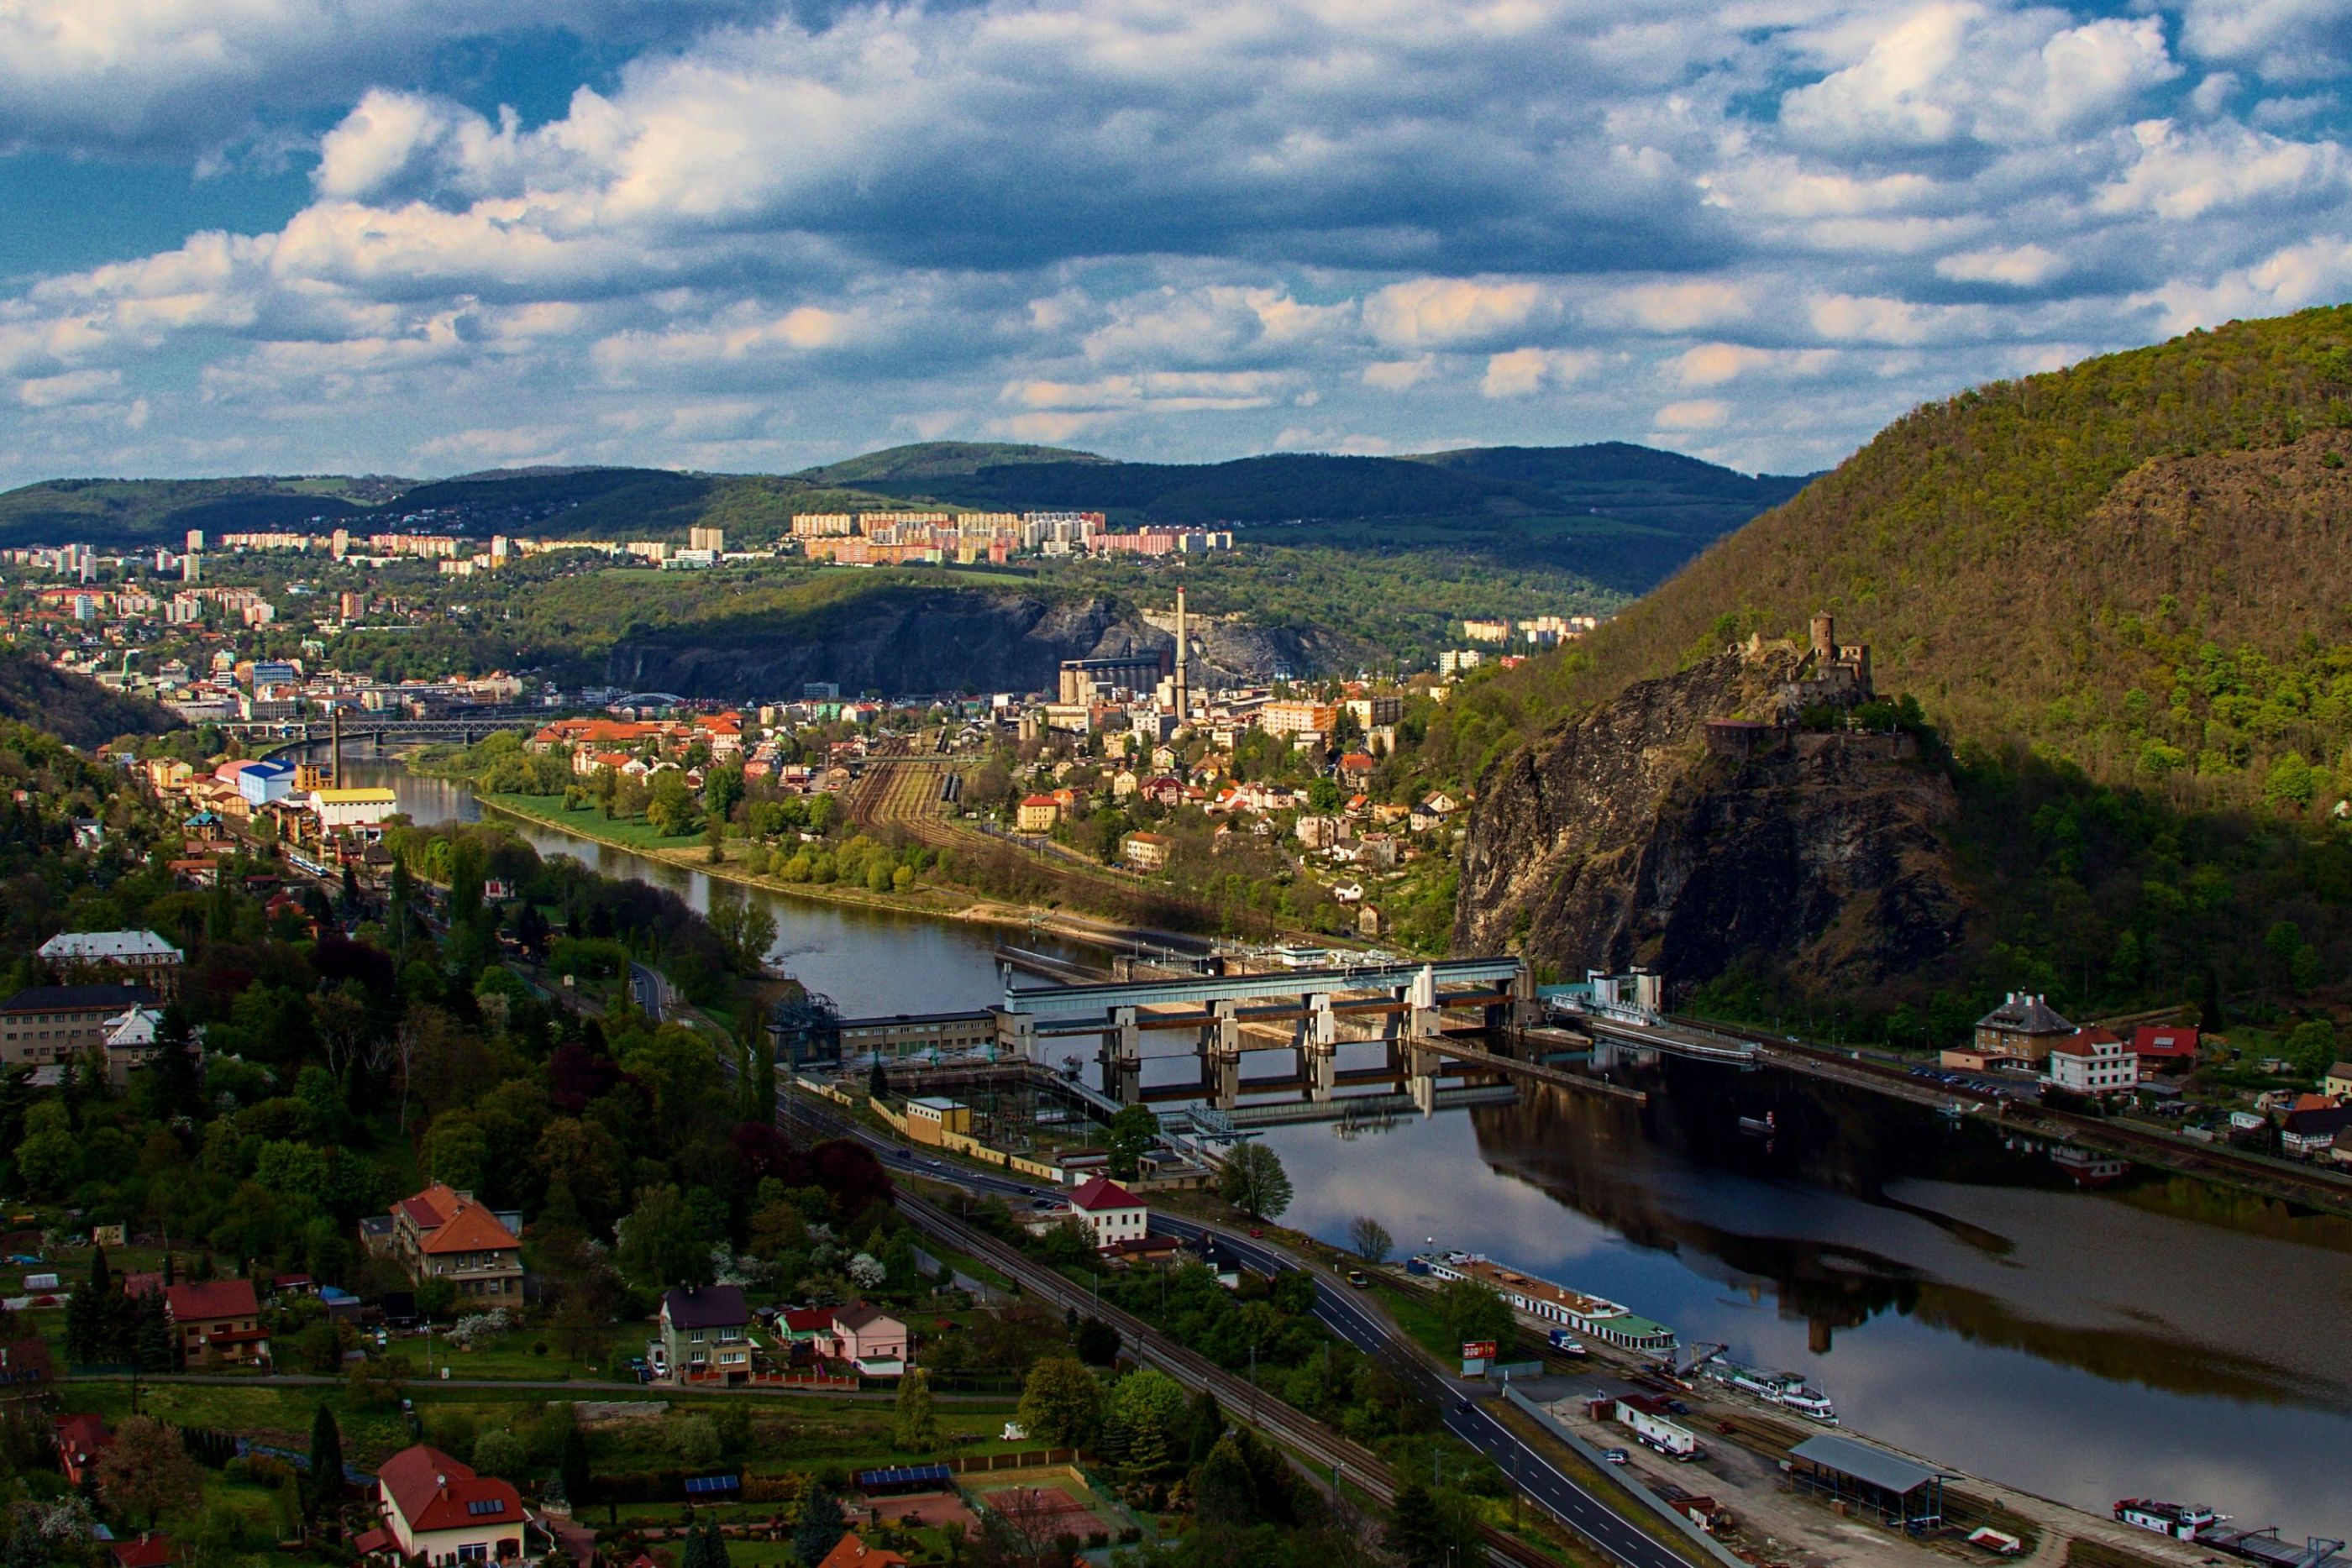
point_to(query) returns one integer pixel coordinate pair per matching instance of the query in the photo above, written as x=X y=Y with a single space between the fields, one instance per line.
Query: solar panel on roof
x=482 y=1507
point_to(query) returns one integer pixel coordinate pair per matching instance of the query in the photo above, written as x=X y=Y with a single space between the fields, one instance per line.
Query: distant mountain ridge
x=1617 y=516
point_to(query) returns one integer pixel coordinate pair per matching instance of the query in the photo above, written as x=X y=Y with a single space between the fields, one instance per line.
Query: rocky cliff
x=1625 y=837
x=899 y=641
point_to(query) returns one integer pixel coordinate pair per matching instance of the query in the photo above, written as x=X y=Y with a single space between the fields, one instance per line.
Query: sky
x=427 y=236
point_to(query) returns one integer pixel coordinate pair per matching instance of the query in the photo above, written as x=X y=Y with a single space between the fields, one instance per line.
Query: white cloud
x=1400 y=375
x=2180 y=173
x=1521 y=372
x=73 y=386
x=1702 y=413
x=1445 y=312
x=2020 y=266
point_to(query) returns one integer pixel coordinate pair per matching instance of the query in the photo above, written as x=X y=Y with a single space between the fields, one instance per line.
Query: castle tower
x=1824 y=638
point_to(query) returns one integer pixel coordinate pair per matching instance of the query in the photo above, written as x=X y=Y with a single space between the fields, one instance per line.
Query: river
x=2084 y=1330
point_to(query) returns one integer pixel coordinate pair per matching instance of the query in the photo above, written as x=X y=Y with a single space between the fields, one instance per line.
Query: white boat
x=1785 y=1389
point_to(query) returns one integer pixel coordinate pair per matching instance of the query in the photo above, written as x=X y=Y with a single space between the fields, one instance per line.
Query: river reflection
x=866 y=962
x=1956 y=1297
x=2144 y=1335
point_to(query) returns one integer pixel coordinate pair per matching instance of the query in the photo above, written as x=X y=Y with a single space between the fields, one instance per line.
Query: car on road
x=1028 y=1192
x=1359 y=1278
x=1462 y=1407
x=1257 y=1231
x=1616 y=1455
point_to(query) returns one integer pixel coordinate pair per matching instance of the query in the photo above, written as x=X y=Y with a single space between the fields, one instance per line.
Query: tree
x=96 y=1325
x=1204 y=1422
x=1150 y=1408
x=572 y=1467
x=662 y=1242
x=1472 y=1311
x=1419 y=1531
x=877 y=1082
x=1368 y=1238
x=147 y=1473
x=1096 y=1342
x=500 y=1454
x=326 y=1461
x=1253 y=1180
x=915 y=1428
x=821 y=1527
x=174 y=1087
x=1061 y=1404
x=705 y=1547
x=1133 y=1130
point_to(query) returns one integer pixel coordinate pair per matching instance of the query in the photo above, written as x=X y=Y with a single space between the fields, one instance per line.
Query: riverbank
x=931 y=903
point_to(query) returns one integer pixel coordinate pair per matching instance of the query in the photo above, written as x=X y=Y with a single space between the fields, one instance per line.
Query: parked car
x=1615 y=1455
x=1359 y=1278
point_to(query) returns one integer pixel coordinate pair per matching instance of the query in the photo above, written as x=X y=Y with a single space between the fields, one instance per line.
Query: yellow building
x=1038 y=814
x=929 y=1119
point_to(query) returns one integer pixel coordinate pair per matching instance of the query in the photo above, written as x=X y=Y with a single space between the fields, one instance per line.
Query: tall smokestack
x=335 y=748
x=1184 y=695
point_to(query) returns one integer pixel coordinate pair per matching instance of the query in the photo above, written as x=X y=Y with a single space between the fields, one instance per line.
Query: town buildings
x=868 y=1338
x=41 y=1025
x=2023 y=1028
x=138 y=957
x=1111 y=1214
x=444 y=1234
x=2092 y=1061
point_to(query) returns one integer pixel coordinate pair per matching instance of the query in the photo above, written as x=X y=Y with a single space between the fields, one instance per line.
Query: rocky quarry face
x=941 y=641
x=1628 y=836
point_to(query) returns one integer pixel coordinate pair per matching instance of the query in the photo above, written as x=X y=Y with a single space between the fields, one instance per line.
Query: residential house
x=140 y=956
x=868 y=1337
x=1146 y=852
x=130 y=1043
x=2164 y=1047
x=81 y=1440
x=2023 y=1027
x=44 y=1024
x=217 y=1320
x=2338 y=1081
x=2091 y=1061
x=148 y=1549
x=2314 y=1131
x=706 y=1332
x=441 y=1513
x=1037 y=814
x=1111 y=1212
x=442 y=1233
x=849 y=1551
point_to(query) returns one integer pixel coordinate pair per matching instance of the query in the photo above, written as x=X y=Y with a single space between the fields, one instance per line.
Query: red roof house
x=218 y=1321
x=851 y=1553
x=1114 y=1214
x=2164 y=1045
x=435 y=1507
x=147 y=1550
x=81 y=1439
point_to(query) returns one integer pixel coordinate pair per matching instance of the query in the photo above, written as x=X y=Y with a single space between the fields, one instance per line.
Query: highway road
x=650 y=989
x=1345 y=1313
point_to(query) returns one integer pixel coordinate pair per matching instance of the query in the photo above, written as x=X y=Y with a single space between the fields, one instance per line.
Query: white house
x=440 y=1513
x=2092 y=1061
x=1110 y=1211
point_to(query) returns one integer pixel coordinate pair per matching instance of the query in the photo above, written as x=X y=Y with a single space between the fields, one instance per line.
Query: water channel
x=2079 y=1328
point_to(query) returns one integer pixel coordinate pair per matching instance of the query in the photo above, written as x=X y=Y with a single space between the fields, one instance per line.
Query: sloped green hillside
x=2138 y=564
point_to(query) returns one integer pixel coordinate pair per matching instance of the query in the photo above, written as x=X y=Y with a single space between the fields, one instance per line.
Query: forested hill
x=78 y=711
x=1611 y=515
x=2142 y=564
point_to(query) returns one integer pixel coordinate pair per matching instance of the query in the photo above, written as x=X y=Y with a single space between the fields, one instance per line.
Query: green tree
x=1472 y=1311
x=821 y=1527
x=669 y=805
x=1204 y=1422
x=1252 y=1179
x=705 y=1547
x=662 y=1241
x=572 y=1467
x=1370 y=1240
x=1132 y=1132
x=914 y=1426
x=1152 y=1409
x=327 y=1483
x=1061 y=1404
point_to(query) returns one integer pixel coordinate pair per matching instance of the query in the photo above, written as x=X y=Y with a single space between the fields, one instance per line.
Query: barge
x=1554 y=1306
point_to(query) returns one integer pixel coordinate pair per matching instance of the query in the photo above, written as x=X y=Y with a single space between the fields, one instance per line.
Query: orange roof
x=851 y=1553
x=447 y=1222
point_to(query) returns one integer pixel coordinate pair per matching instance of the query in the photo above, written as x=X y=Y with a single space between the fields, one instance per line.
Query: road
x=651 y=990
x=1345 y=1312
